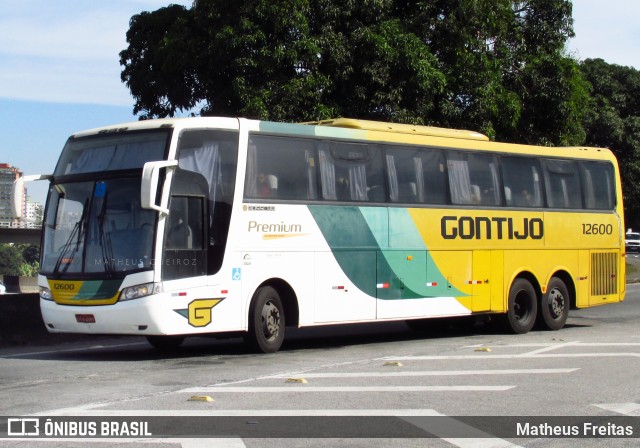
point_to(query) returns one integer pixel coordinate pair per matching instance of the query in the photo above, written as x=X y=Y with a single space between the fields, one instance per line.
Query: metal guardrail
x=20 y=225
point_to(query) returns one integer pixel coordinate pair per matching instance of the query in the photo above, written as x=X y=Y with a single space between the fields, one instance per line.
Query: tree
x=492 y=65
x=10 y=260
x=613 y=122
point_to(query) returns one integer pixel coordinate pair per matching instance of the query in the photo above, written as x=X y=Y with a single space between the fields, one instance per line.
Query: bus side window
x=473 y=179
x=351 y=172
x=282 y=168
x=185 y=223
x=522 y=182
x=597 y=185
x=562 y=184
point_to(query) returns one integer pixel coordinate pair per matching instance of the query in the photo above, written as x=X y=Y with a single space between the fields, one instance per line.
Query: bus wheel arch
x=273 y=307
x=556 y=302
x=522 y=305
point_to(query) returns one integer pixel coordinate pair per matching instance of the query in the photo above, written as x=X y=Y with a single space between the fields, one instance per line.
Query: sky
x=60 y=69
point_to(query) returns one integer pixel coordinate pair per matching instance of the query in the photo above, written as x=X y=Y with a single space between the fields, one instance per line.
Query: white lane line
x=185 y=443
x=305 y=388
x=470 y=437
x=474 y=438
x=498 y=344
x=257 y=413
x=431 y=373
x=631 y=409
x=72 y=350
x=549 y=348
x=520 y=356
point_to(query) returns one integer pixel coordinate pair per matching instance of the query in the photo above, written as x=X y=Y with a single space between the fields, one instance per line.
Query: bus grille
x=604 y=273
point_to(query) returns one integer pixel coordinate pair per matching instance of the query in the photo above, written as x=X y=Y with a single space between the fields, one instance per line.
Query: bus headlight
x=138 y=291
x=45 y=293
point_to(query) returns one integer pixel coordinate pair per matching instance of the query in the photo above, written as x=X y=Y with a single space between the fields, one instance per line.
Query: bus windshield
x=97 y=227
x=111 y=152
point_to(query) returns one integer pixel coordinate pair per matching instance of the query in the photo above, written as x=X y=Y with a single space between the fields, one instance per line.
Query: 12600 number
x=597 y=229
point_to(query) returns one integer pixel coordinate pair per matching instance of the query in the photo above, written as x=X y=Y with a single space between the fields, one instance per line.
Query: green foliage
x=613 y=121
x=497 y=66
x=10 y=260
x=19 y=259
x=491 y=65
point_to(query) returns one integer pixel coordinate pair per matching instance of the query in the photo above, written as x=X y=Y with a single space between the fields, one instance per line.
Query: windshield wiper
x=78 y=232
x=105 y=237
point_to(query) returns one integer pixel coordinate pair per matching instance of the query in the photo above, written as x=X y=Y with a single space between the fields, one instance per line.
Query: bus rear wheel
x=266 y=321
x=554 y=307
x=522 y=308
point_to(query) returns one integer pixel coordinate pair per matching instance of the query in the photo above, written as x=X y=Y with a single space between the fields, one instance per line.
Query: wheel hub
x=270 y=320
x=556 y=303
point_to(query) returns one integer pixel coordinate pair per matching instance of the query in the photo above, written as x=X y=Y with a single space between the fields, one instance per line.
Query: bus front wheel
x=266 y=321
x=554 y=307
x=522 y=307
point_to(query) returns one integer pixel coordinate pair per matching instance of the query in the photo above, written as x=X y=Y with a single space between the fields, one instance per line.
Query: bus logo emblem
x=200 y=310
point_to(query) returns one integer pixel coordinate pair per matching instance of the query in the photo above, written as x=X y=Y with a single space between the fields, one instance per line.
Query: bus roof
x=380 y=126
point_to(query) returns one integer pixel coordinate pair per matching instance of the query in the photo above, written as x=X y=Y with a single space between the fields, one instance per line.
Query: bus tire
x=522 y=308
x=266 y=321
x=554 y=306
x=165 y=343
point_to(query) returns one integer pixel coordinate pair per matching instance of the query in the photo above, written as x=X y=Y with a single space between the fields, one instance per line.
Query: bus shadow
x=204 y=350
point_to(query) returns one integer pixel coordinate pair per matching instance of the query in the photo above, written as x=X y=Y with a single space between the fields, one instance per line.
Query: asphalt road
x=360 y=385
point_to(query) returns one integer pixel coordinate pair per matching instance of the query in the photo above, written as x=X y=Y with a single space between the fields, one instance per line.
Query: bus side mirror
x=149 y=187
x=18 y=188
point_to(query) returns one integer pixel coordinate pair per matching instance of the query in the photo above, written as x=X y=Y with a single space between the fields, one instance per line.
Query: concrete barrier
x=20 y=284
x=21 y=322
x=20 y=319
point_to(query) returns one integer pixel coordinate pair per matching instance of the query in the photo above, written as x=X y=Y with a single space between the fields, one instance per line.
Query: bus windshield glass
x=111 y=152
x=97 y=227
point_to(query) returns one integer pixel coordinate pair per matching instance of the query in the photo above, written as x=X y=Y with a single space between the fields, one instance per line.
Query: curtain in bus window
x=115 y=157
x=94 y=159
x=327 y=175
x=251 y=178
x=459 y=181
x=418 y=164
x=537 y=186
x=358 y=182
x=311 y=175
x=204 y=160
x=393 y=178
x=496 y=183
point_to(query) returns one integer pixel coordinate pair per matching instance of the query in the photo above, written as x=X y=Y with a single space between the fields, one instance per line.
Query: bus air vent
x=604 y=273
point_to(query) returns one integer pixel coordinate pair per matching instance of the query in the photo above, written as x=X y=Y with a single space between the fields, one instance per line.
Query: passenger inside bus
x=267 y=185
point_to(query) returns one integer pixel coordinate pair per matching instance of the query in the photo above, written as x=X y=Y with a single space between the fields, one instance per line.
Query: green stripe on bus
x=369 y=254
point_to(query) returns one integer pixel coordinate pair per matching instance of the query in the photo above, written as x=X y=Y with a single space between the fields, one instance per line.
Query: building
x=32 y=212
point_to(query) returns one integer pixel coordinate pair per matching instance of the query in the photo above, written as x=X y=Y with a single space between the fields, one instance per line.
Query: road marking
x=470 y=437
x=71 y=350
x=473 y=437
x=497 y=344
x=185 y=443
x=551 y=347
x=304 y=388
x=631 y=409
x=257 y=413
x=433 y=373
x=520 y=356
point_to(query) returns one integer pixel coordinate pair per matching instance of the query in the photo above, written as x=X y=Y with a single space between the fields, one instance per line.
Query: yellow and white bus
x=179 y=227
